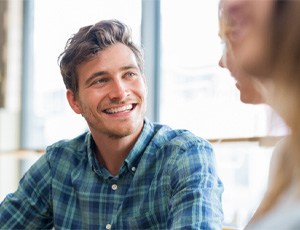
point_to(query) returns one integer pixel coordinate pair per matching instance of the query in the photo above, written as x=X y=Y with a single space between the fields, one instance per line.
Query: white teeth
x=119 y=109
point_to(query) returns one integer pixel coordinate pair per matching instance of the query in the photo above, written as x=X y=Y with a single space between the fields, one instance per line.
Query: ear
x=73 y=102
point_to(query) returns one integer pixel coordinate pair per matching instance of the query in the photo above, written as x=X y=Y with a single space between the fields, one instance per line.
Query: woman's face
x=245 y=29
x=245 y=83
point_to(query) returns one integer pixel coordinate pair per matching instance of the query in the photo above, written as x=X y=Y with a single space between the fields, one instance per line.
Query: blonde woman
x=264 y=38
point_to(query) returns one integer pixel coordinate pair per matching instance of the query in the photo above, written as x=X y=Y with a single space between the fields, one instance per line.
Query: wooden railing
x=265 y=141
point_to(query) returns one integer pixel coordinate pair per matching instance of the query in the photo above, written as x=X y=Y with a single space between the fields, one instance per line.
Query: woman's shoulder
x=284 y=215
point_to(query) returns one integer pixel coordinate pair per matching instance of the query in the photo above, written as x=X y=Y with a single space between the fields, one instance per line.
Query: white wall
x=10 y=114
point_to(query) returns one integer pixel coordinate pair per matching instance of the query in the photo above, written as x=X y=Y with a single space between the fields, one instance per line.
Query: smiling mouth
x=120 y=109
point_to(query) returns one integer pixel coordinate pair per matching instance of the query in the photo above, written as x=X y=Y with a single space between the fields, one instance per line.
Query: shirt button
x=114 y=187
x=133 y=169
x=108 y=226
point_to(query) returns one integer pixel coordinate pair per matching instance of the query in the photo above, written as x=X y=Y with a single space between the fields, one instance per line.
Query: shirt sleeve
x=196 y=189
x=29 y=207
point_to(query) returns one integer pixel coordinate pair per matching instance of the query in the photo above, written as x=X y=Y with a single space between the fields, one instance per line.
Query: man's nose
x=119 y=90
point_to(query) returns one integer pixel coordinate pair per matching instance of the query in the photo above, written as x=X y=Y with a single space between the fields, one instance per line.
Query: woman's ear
x=73 y=102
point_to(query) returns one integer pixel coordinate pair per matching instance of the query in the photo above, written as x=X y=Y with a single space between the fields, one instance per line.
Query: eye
x=100 y=81
x=131 y=74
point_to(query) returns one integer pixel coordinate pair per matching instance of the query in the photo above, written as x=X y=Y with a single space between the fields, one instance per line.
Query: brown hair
x=90 y=40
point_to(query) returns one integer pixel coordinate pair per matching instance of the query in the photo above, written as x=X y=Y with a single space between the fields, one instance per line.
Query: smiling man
x=125 y=172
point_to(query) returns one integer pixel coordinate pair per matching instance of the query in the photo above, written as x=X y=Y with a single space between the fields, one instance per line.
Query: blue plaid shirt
x=168 y=181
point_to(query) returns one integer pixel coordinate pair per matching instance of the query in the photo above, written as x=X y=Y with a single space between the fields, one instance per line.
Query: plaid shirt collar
x=131 y=161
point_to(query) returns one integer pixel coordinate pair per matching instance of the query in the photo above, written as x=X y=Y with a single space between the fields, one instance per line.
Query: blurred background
x=187 y=89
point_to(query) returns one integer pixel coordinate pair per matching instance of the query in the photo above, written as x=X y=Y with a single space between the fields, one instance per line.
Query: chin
x=124 y=131
x=245 y=99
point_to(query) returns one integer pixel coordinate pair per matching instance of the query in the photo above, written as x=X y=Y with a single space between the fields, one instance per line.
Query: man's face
x=112 y=93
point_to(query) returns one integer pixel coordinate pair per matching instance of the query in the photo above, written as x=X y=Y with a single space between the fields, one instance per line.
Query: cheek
x=244 y=55
x=250 y=52
x=140 y=89
x=252 y=57
x=92 y=98
x=243 y=49
x=231 y=64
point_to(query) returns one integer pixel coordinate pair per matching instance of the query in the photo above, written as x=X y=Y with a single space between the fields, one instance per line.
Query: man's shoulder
x=180 y=149
x=165 y=135
x=75 y=147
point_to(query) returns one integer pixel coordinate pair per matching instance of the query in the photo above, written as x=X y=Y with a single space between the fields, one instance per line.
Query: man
x=126 y=172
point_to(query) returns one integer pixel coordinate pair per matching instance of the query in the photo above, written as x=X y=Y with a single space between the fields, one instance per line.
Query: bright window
x=196 y=93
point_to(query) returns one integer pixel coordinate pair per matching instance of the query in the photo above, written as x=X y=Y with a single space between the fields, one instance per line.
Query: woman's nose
x=221 y=62
x=223 y=59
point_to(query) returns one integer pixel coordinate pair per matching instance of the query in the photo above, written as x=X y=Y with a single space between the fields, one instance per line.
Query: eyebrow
x=102 y=73
x=93 y=76
x=129 y=67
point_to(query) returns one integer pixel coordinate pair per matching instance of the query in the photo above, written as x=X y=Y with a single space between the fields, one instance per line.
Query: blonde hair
x=285 y=99
x=284 y=72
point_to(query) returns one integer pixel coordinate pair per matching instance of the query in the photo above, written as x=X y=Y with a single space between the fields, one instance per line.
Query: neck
x=111 y=152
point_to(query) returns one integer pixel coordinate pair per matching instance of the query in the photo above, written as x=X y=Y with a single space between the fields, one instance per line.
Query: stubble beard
x=115 y=133
x=95 y=123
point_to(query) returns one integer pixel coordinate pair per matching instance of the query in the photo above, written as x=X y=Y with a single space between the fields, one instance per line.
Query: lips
x=120 y=109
